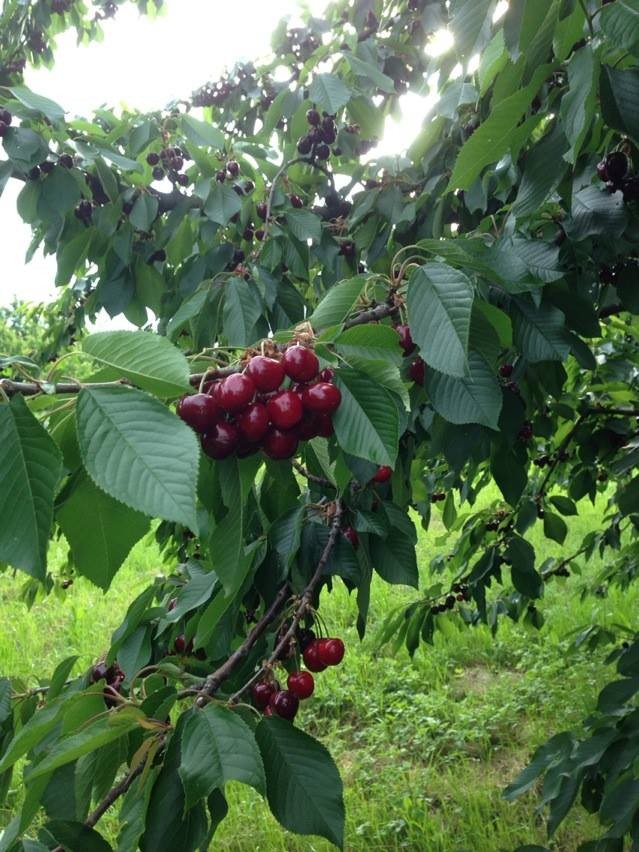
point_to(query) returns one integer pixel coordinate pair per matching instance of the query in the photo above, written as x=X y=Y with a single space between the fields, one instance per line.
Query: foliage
x=505 y=240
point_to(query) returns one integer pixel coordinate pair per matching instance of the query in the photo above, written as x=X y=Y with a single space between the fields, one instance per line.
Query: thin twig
x=319 y=480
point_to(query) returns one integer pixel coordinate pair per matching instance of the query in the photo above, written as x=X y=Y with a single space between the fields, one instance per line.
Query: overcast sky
x=145 y=63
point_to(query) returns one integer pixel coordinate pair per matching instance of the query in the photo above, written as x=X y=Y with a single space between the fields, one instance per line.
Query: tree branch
x=12 y=388
x=319 y=480
x=372 y=314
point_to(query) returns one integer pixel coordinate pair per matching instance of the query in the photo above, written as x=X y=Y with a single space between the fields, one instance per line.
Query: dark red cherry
x=324 y=426
x=296 y=201
x=214 y=390
x=405 y=339
x=616 y=166
x=350 y=533
x=308 y=426
x=304 y=637
x=262 y=692
x=233 y=168
x=236 y=392
x=220 y=441
x=301 y=684
x=311 y=657
x=153 y=159
x=322 y=398
x=331 y=651
x=383 y=474
x=285 y=704
x=99 y=672
x=267 y=374
x=304 y=145
x=278 y=444
x=261 y=209
x=200 y=411
x=253 y=422
x=181 y=646
x=300 y=363
x=313 y=117
x=506 y=371
x=285 y=409
x=417 y=371
x=326 y=375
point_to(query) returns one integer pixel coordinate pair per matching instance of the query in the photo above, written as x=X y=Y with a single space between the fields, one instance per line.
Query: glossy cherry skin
x=278 y=444
x=285 y=409
x=351 y=535
x=312 y=659
x=383 y=474
x=506 y=371
x=221 y=440
x=300 y=363
x=181 y=646
x=267 y=374
x=99 y=672
x=331 y=651
x=285 y=704
x=405 y=339
x=253 y=422
x=417 y=371
x=301 y=684
x=308 y=426
x=200 y=411
x=262 y=692
x=326 y=375
x=322 y=398
x=236 y=392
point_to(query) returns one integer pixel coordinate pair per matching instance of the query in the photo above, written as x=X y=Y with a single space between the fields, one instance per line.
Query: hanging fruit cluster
x=271 y=406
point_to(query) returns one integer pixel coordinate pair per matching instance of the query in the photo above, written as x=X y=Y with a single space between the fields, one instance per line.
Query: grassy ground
x=425 y=746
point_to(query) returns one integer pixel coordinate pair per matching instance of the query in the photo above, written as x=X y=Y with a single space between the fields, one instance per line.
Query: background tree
x=361 y=338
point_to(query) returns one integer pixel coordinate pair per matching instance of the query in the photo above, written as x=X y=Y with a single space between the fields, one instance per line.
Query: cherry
x=326 y=375
x=278 y=444
x=312 y=659
x=296 y=201
x=5 y=117
x=3 y=129
x=262 y=692
x=199 y=410
x=253 y=422
x=261 y=209
x=324 y=426
x=183 y=180
x=405 y=339
x=214 y=390
x=322 y=398
x=616 y=166
x=506 y=371
x=236 y=392
x=158 y=173
x=47 y=167
x=304 y=145
x=153 y=159
x=267 y=374
x=300 y=363
x=417 y=371
x=66 y=160
x=220 y=441
x=313 y=117
x=259 y=234
x=323 y=152
x=304 y=638
x=602 y=171
x=248 y=234
x=308 y=427
x=285 y=704
x=220 y=176
x=350 y=534
x=331 y=651
x=285 y=409
x=233 y=168
x=329 y=134
x=301 y=684
x=98 y=672
x=181 y=646
x=84 y=210
x=383 y=474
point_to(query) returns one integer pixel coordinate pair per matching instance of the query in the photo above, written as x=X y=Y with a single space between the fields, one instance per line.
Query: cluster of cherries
x=417 y=368
x=114 y=677
x=169 y=162
x=318 y=654
x=614 y=171
x=459 y=593
x=249 y=411
x=232 y=170
x=322 y=133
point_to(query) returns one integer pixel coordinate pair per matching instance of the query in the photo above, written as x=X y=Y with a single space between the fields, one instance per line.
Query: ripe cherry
x=350 y=534
x=233 y=168
x=405 y=339
x=417 y=371
x=200 y=411
x=99 y=672
x=304 y=145
x=322 y=151
x=261 y=209
x=308 y=426
x=304 y=638
x=300 y=363
x=326 y=375
x=236 y=392
x=313 y=117
x=181 y=646
x=262 y=692
x=301 y=684
x=153 y=159
x=383 y=474
x=5 y=117
x=322 y=398
x=285 y=409
x=285 y=704
x=331 y=651
x=324 y=426
x=296 y=201
x=616 y=166
x=267 y=374
x=278 y=444
x=253 y=422
x=506 y=371
x=220 y=176
x=220 y=441
x=312 y=659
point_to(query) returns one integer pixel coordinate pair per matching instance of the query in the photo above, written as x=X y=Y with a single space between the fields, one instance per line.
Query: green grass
x=425 y=746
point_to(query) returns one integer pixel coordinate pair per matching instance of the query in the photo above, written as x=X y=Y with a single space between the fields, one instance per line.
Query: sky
x=144 y=63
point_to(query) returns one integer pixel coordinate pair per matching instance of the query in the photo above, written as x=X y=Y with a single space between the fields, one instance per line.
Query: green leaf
x=5 y=698
x=38 y=726
x=303 y=786
x=620 y=24
x=510 y=476
x=139 y=452
x=525 y=579
x=144 y=211
x=440 y=301
x=218 y=746
x=338 y=303
x=370 y=73
x=564 y=505
x=242 y=309
x=620 y=805
x=150 y=361
x=77 y=837
x=329 y=93
x=50 y=109
x=367 y=421
x=476 y=398
x=71 y=254
x=202 y=133
x=25 y=147
x=578 y=104
x=222 y=204
x=620 y=99
x=543 y=171
x=394 y=558
x=304 y=225
x=31 y=466
x=628 y=497
x=555 y=527
x=540 y=332
x=596 y=212
x=103 y=730
x=370 y=342
x=59 y=193
x=99 y=548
